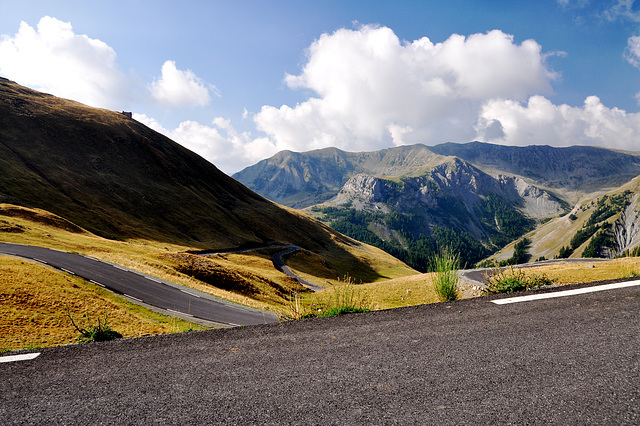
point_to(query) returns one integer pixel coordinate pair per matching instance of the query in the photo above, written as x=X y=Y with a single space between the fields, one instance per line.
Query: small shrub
x=445 y=265
x=512 y=280
x=100 y=332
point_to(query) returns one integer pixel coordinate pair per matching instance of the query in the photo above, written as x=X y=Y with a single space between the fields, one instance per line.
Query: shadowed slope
x=117 y=178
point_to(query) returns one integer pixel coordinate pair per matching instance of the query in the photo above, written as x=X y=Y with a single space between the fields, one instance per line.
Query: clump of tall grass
x=445 y=264
x=339 y=300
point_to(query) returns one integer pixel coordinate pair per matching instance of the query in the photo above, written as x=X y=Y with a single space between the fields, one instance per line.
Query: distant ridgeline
x=476 y=198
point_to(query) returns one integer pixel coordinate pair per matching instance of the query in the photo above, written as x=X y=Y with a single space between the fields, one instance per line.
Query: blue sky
x=237 y=81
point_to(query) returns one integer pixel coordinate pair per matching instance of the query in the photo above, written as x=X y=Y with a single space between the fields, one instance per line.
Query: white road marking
x=131 y=297
x=68 y=271
x=566 y=293
x=23 y=357
x=189 y=293
x=39 y=260
x=96 y=282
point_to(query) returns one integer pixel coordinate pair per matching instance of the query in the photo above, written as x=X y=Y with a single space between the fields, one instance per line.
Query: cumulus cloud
x=218 y=142
x=541 y=122
x=54 y=59
x=374 y=89
x=177 y=88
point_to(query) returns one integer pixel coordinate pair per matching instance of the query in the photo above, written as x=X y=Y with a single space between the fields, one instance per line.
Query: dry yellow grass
x=145 y=256
x=573 y=273
x=399 y=292
x=162 y=260
x=34 y=301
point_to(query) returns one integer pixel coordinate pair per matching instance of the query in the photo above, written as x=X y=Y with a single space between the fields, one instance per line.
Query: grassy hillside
x=34 y=300
x=120 y=180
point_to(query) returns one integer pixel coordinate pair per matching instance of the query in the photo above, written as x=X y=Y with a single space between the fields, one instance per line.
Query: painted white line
x=154 y=280
x=68 y=271
x=23 y=357
x=39 y=260
x=131 y=297
x=566 y=293
x=97 y=283
x=189 y=293
x=120 y=267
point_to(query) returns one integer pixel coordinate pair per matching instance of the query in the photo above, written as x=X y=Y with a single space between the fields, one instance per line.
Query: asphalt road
x=567 y=360
x=277 y=260
x=175 y=299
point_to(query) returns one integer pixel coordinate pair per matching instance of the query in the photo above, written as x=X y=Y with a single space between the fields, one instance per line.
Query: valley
x=97 y=183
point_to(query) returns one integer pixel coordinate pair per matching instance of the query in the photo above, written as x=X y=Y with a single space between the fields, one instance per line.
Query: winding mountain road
x=145 y=289
x=277 y=261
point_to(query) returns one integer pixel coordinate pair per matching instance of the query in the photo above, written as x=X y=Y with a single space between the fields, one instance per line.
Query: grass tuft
x=445 y=265
x=339 y=300
x=512 y=279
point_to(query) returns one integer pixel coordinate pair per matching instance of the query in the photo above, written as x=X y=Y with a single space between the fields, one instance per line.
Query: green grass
x=445 y=265
x=512 y=280
x=339 y=300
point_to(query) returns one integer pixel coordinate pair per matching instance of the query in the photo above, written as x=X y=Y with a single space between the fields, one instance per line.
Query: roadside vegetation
x=510 y=280
x=95 y=332
x=35 y=300
x=338 y=300
x=33 y=297
x=445 y=265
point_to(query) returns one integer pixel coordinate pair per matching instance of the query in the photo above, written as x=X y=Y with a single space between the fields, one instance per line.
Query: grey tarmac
x=172 y=298
x=566 y=360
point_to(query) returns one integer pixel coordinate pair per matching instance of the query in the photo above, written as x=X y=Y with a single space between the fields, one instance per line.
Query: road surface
x=137 y=287
x=565 y=360
x=277 y=260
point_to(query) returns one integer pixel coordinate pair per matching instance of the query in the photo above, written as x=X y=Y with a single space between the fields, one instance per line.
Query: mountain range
x=411 y=200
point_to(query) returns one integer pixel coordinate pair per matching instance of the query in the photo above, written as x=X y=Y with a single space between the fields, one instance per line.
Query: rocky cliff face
x=453 y=179
x=535 y=202
x=454 y=194
x=627 y=228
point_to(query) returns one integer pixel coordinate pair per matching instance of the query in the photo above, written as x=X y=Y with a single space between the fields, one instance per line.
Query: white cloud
x=56 y=60
x=573 y=4
x=541 y=122
x=177 y=88
x=632 y=52
x=370 y=85
x=622 y=9
x=218 y=143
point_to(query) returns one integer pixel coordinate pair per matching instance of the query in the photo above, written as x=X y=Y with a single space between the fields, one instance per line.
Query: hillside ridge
x=119 y=179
